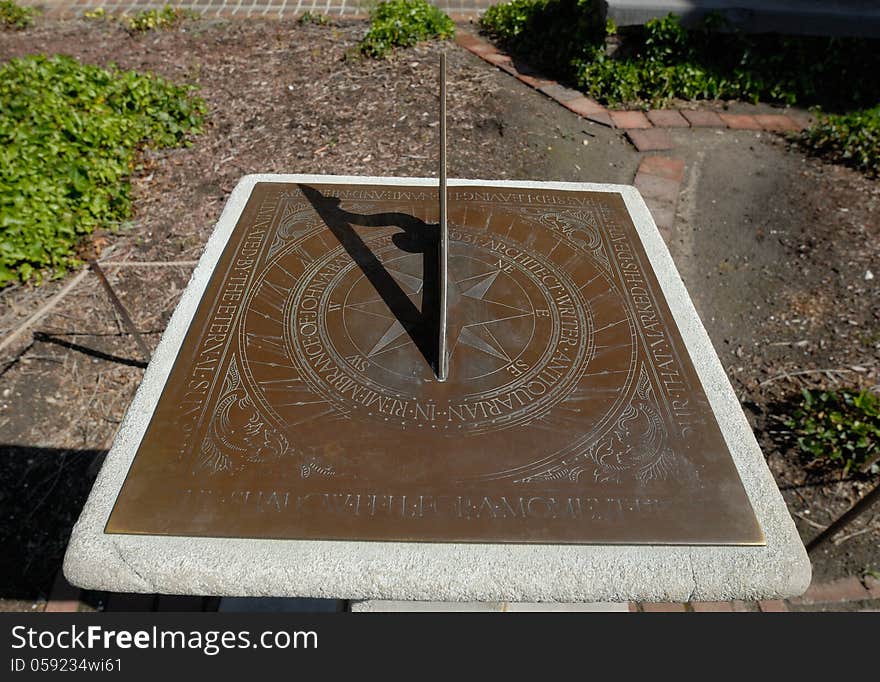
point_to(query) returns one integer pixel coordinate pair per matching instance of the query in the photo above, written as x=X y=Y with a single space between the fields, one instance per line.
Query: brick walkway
x=242 y=9
x=648 y=131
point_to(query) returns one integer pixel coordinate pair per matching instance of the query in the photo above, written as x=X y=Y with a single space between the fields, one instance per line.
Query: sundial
x=306 y=400
x=396 y=368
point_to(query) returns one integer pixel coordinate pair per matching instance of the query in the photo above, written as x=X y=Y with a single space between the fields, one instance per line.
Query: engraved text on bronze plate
x=303 y=402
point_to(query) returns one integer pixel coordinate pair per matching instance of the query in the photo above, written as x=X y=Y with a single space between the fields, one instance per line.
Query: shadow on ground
x=42 y=491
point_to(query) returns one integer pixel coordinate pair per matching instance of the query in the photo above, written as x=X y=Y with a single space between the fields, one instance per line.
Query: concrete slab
x=443 y=571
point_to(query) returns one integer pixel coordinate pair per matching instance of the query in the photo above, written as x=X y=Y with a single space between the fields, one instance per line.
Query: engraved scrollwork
x=297 y=219
x=579 y=226
x=636 y=447
x=238 y=435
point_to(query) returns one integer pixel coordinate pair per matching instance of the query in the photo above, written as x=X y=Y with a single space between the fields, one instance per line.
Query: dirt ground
x=778 y=251
x=773 y=246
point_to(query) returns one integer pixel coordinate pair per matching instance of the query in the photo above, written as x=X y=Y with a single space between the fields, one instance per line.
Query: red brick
x=602 y=117
x=663 y=166
x=712 y=606
x=560 y=93
x=845 y=589
x=703 y=119
x=657 y=187
x=667 y=118
x=584 y=106
x=663 y=607
x=663 y=214
x=777 y=122
x=496 y=58
x=873 y=586
x=473 y=44
x=773 y=606
x=740 y=121
x=465 y=40
x=633 y=607
x=742 y=607
x=630 y=119
x=532 y=81
x=64 y=597
x=651 y=140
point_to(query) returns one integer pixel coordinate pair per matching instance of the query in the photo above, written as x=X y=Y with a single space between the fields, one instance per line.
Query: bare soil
x=780 y=253
x=774 y=247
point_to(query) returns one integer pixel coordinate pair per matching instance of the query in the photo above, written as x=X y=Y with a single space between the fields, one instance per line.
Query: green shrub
x=314 y=18
x=69 y=138
x=664 y=60
x=164 y=19
x=853 y=139
x=99 y=14
x=838 y=427
x=550 y=33
x=13 y=16
x=403 y=23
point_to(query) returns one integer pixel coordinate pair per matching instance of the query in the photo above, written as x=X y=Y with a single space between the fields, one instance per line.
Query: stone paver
x=650 y=140
x=667 y=118
x=630 y=119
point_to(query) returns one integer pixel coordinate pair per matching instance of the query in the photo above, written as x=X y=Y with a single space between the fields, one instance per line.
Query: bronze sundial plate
x=303 y=402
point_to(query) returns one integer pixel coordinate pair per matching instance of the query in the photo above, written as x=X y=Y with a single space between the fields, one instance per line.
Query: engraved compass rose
x=478 y=323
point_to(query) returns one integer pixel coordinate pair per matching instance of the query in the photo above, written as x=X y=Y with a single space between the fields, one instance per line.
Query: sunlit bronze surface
x=304 y=401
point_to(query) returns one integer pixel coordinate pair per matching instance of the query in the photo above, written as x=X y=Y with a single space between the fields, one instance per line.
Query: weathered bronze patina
x=304 y=401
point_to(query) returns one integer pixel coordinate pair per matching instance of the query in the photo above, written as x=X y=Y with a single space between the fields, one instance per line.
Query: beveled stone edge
x=440 y=571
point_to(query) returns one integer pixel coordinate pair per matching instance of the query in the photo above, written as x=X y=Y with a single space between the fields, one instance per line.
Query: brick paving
x=740 y=122
x=242 y=9
x=630 y=119
x=703 y=119
x=651 y=140
x=667 y=118
x=646 y=130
